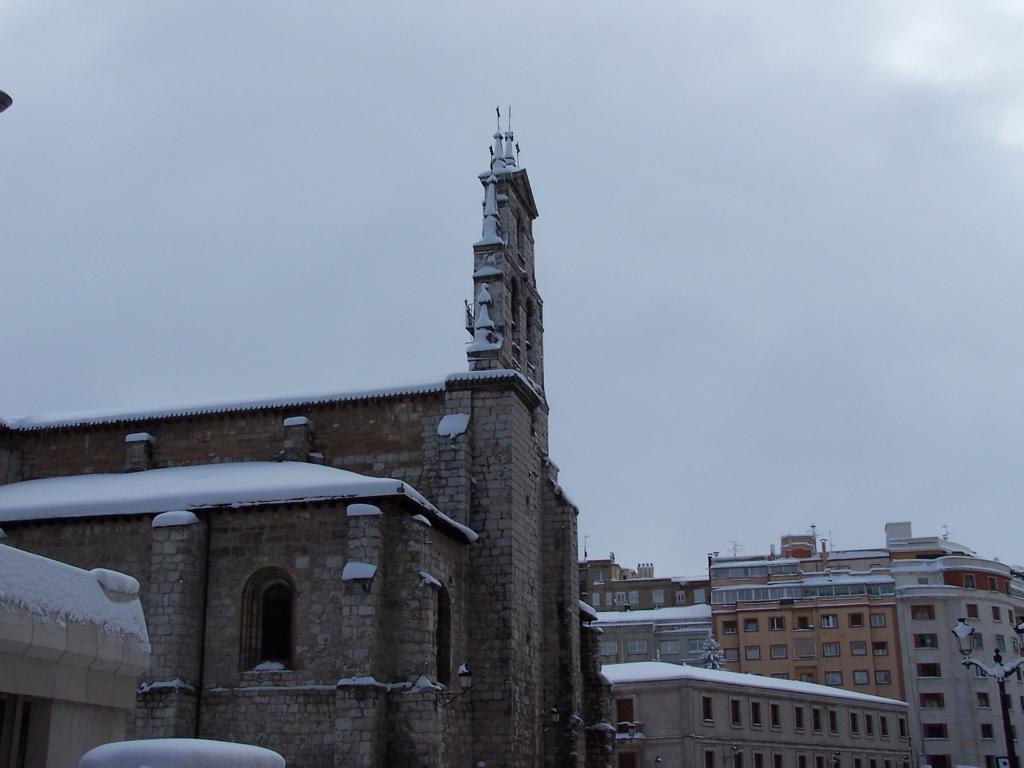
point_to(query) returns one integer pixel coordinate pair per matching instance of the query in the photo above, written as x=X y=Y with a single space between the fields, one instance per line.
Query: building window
x=599 y=577
x=830 y=649
x=752 y=652
x=776 y=760
x=869 y=725
x=709 y=758
x=1001 y=642
x=750 y=625
x=609 y=599
x=833 y=678
x=759 y=760
x=779 y=651
x=833 y=722
x=804 y=648
x=777 y=624
x=729 y=628
x=854 y=724
x=902 y=722
x=997 y=614
x=268 y=607
x=883 y=677
x=880 y=648
x=983 y=701
x=858 y=763
x=926 y=641
x=636 y=647
x=829 y=620
x=798 y=718
x=883 y=726
x=775 y=715
x=969 y=581
x=929 y=670
x=658 y=596
x=668 y=647
x=609 y=648
x=731 y=654
x=708 y=708
x=735 y=714
x=755 y=714
x=861 y=677
x=698 y=595
x=856 y=619
x=877 y=619
x=977 y=641
x=972 y=610
x=858 y=648
x=803 y=622
x=634 y=597
x=922 y=612
x=801 y=761
x=816 y=720
x=680 y=597
x=627 y=760
x=806 y=677
x=620 y=598
x=935 y=731
x=595 y=599
x=932 y=701
x=624 y=714
x=819 y=761
x=737 y=760
x=986 y=731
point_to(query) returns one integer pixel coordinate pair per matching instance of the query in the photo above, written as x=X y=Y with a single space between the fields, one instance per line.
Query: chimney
x=896 y=532
x=824 y=554
x=138 y=451
x=298 y=441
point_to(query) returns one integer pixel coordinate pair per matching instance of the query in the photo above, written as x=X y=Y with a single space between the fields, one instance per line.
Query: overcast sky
x=779 y=242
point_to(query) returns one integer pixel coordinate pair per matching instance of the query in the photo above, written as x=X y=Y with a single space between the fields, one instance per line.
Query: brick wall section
x=597 y=698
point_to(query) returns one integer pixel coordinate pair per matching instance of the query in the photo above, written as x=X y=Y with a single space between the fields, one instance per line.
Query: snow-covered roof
x=178 y=753
x=119 y=415
x=657 y=671
x=753 y=563
x=40 y=598
x=237 y=484
x=699 y=612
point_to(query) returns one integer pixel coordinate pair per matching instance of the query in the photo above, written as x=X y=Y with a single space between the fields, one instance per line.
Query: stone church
x=376 y=578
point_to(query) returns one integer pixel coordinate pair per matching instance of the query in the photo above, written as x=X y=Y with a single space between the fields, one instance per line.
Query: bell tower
x=506 y=319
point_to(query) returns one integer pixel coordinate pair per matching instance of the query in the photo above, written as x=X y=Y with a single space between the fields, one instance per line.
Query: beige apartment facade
x=670 y=716
x=818 y=617
x=673 y=635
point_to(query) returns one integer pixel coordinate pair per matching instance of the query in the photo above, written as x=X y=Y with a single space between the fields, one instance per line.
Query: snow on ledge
x=362 y=510
x=174 y=519
x=418 y=518
x=177 y=753
x=356 y=571
x=589 y=613
x=139 y=437
x=115 y=581
x=297 y=421
x=177 y=684
x=426 y=580
x=453 y=424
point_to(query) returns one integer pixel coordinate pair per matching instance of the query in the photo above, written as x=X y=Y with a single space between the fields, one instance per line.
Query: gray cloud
x=777 y=246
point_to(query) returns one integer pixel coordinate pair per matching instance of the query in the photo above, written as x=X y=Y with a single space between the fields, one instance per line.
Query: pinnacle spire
x=497 y=154
x=490 y=234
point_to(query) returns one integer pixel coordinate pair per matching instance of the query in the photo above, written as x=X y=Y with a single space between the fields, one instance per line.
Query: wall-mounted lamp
x=465 y=684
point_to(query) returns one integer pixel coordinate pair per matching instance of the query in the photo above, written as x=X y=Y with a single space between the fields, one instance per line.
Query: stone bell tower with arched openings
x=506 y=320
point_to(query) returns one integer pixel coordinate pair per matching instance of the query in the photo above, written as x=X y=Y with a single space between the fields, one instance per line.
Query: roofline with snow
x=527 y=391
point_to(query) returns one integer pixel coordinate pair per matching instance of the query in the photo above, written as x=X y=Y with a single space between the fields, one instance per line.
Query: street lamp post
x=999 y=671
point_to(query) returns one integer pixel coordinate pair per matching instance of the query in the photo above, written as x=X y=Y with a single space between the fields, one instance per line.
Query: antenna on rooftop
x=735 y=546
x=585 y=540
x=497 y=111
x=814 y=531
x=945 y=532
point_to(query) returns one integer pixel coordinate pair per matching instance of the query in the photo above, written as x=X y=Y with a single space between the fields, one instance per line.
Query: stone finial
x=510 y=149
x=497 y=154
x=490 y=235
x=138 y=451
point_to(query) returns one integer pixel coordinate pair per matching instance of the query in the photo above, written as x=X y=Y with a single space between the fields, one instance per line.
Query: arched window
x=268 y=603
x=516 y=309
x=443 y=637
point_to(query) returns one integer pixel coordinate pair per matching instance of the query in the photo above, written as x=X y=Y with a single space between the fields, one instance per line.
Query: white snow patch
x=269 y=666
x=362 y=681
x=175 y=518
x=194 y=487
x=487 y=271
x=180 y=753
x=418 y=518
x=362 y=510
x=297 y=421
x=426 y=580
x=652 y=671
x=424 y=683
x=588 y=611
x=139 y=437
x=115 y=581
x=699 y=612
x=354 y=571
x=60 y=593
x=453 y=424
x=176 y=684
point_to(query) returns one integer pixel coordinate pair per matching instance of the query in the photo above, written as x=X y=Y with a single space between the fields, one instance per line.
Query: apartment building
x=673 y=635
x=815 y=616
x=609 y=586
x=669 y=715
x=955 y=716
